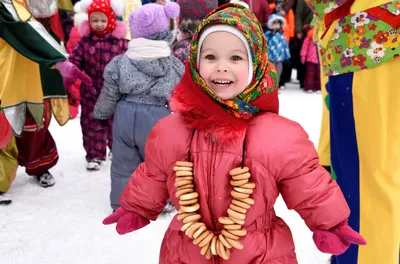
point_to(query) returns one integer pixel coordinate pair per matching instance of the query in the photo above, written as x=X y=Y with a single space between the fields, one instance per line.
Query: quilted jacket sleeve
x=146 y=192
x=305 y=185
x=110 y=94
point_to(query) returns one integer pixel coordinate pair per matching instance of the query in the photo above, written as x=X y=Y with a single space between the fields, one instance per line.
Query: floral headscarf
x=265 y=79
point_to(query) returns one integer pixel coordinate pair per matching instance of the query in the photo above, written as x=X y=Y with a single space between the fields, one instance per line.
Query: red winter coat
x=281 y=160
x=5 y=131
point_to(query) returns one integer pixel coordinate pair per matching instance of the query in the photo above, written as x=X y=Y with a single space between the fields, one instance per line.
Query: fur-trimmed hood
x=119 y=31
x=203 y=113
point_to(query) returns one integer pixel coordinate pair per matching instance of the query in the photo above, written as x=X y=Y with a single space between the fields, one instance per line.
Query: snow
x=62 y=224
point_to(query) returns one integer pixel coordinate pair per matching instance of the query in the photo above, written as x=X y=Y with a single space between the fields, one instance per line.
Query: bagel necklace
x=210 y=244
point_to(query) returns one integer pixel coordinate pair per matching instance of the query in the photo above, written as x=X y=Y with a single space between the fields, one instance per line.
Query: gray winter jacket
x=147 y=81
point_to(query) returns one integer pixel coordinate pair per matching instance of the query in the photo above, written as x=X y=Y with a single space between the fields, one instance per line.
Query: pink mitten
x=337 y=239
x=126 y=221
x=70 y=73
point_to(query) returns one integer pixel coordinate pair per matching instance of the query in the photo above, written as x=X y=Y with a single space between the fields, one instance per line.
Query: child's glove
x=126 y=221
x=71 y=73
x=337 y=239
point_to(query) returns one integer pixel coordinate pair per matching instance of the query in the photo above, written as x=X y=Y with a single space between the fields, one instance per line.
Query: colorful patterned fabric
x=360 y=40
x=265 y=78
x=278 y=48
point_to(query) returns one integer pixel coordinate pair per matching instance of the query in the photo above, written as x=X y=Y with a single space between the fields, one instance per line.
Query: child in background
x=137 y=86
x=278 y=48
x=224 y=143
x=103 y=38
x=74 y=37
x=309 y=57
x=192 y=12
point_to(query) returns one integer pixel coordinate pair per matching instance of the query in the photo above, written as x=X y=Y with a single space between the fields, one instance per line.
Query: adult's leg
x=37 y=151
x=365 y=157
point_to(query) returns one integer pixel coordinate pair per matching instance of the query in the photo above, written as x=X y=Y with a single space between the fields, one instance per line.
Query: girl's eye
x=210 y=57
x=236 y=58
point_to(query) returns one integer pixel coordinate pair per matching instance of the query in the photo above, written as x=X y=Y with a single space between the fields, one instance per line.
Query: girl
x=309 y=57
x=137 y=86
x=102 y=40
x=225 y=156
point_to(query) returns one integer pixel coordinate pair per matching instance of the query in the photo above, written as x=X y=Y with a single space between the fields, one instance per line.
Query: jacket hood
x=204 y=113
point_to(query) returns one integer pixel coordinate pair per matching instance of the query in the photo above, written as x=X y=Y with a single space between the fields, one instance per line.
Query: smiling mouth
x=222 y=83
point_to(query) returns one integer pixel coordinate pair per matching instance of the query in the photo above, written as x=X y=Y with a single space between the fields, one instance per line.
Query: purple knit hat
x=196 y=9
x=151 y=19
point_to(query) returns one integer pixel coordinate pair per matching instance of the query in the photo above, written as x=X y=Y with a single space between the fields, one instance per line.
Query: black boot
x=46 y=179
x=5 y=199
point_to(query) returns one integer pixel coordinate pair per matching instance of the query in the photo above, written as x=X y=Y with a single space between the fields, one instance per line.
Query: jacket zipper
x=211 y=192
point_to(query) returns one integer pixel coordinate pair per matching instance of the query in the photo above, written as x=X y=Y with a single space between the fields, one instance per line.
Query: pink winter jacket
x=281 y=159
x=309 y=51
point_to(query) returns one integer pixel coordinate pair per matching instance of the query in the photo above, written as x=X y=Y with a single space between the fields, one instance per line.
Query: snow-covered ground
x=62 y=224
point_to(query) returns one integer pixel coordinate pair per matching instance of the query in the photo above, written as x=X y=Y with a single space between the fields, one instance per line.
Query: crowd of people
x=184 y=95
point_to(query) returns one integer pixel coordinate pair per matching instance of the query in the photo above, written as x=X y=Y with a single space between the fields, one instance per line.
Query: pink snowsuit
x=92 y=54
x=309 y=57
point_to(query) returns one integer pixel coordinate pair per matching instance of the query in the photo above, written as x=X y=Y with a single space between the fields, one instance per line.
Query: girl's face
x=98 y=21
x=224 y=64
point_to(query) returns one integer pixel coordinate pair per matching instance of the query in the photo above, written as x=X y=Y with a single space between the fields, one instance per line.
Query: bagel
x=238 y=232
x=241 y=204
x=232 y=227
x=235 y=214
x=190 y=209
x=177 y=168
x=201 y=237
x=235 y=243
x=243 y=190
x=199 y=231
x=223 y=241
x=191 y=230
x=188 y=202
x=237 y=208
x=243 y=176
x=189 y=196
x=225 y=221
x=249 y=185
x=206 y=240
x=192 y=218
x=184 y=215
x=213 y=245
x=238 y=171
x=183 y=191
x=183 y=173
x=184 y=164
x=182 y=183
x=229 y=235
x=247 y=200
x=238 y=195
x=239 y=183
